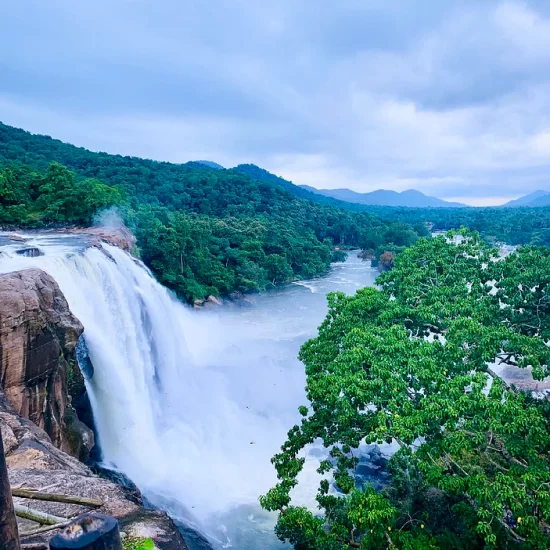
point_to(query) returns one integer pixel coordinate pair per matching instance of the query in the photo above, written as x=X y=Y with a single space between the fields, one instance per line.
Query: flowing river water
x=191 y=405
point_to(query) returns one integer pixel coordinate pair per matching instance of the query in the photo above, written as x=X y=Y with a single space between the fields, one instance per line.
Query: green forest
x=515 y=226
x=408 y=362
x=203 y=231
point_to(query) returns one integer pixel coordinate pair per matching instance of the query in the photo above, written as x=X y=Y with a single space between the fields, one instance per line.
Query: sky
x=448 y=97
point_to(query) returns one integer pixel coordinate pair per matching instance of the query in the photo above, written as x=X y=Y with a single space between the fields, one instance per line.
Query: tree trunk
x=9 y=537
x=90 y=531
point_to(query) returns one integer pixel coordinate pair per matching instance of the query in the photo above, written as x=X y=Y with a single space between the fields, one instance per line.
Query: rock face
x=38 y=335
x=34 y=463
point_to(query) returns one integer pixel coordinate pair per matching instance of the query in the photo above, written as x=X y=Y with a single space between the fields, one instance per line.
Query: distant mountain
x=383 y=197
x=541 y=201
x=537 y=198
x=300 y=191
x=210 y=164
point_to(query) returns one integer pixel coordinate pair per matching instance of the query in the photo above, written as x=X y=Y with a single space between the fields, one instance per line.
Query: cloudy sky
x=451 y=97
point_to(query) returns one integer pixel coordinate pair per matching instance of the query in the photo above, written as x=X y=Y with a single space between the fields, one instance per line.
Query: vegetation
x=29 y=197
x=409 y=363
x=515 y=226
x=203 y=230
x=137 y=544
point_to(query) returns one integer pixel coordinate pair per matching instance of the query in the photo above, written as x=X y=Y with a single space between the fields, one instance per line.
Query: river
x=192 y=405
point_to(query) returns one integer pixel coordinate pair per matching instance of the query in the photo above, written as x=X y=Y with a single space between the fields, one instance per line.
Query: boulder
x=242 y=300
x=31 y=252
x=212 y=301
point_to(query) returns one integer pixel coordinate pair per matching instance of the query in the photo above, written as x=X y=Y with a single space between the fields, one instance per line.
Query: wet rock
x=131 y=490
x=79 y=439
x=119 y=236
x=31 y=252
x=16 y=238
x=242 y=300
x=372 y=469
x=38 y=335
x=212 y=301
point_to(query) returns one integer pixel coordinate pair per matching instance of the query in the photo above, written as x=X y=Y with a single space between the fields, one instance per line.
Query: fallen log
x=36 y=515
x=43 y=529
x=90 y=531
x=55 y=497
x=9 y=537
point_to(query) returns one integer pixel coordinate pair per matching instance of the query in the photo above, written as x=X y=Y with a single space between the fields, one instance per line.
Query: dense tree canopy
x=409 y=362
x=28 y=197
x=515 y=226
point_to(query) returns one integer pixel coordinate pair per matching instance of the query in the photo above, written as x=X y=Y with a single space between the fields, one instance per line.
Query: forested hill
x=201 y=186
x=259 y=174
x=202 y=230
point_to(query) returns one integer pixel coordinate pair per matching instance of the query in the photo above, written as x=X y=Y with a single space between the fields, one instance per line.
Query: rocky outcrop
x=35 y=463
x=119 y=236
x=38 y=335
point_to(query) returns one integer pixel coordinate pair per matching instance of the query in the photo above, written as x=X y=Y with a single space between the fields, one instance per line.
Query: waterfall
x=191 y=406
x=169 y=414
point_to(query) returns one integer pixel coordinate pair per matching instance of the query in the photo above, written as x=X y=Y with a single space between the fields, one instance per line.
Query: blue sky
x=448 y=97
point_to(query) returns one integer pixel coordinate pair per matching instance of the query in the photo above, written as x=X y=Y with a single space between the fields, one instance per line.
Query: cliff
x=38 y=335
x=40 y=429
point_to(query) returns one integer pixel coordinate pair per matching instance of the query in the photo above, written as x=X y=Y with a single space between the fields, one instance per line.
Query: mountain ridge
x=532 y=200
x=384 y=197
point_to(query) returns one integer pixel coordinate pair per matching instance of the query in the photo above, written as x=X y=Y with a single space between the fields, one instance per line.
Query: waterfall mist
x=190 y=405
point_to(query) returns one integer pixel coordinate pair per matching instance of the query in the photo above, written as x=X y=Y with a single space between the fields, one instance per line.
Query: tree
x=409 y=363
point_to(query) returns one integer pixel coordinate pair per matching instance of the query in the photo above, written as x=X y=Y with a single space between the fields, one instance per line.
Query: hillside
x=536 y=199
x=210 y=164
x=410 y=198
x=202 y=230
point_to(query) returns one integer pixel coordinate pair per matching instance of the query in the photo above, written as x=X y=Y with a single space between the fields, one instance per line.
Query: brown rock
x=38 y=334
x=15 y=238
x=119 y=236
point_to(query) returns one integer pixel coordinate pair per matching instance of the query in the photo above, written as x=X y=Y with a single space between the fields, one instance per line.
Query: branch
x=513 y=534
x=390 y=542
x=35 y=515
x=44 y=529
x=493 y=374
x=507 y=359
x=52 y=497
